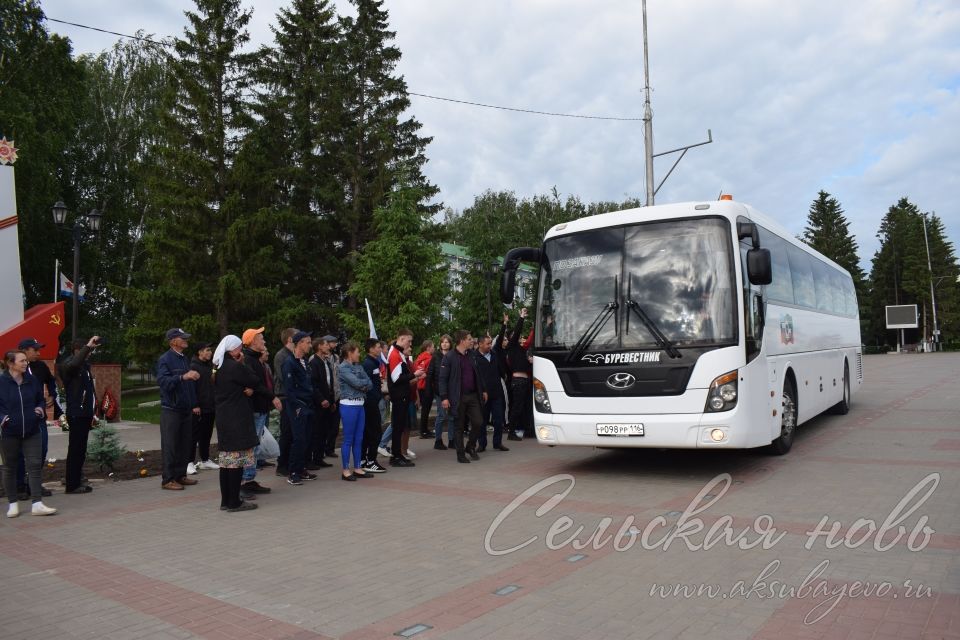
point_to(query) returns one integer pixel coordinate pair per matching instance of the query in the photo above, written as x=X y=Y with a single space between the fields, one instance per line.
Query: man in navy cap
x=298 y=406
x=178 y=398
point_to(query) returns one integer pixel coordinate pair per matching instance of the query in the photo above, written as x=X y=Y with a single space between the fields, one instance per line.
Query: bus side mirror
x=508 y=282
x=759 y=269
x=510 y=263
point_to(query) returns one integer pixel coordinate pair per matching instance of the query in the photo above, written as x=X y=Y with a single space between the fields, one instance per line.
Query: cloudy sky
x=859 y=97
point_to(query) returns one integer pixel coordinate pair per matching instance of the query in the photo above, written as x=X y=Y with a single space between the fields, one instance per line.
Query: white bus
x=691 y=325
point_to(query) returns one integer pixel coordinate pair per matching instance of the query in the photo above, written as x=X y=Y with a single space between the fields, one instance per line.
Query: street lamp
x=92 y=224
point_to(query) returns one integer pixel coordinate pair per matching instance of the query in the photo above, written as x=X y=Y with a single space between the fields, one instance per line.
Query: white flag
x=373 y=332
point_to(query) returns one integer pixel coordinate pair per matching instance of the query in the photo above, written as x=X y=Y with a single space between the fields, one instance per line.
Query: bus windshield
x=672 y=278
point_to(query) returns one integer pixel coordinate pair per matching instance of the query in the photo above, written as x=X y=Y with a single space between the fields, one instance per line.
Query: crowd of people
x=315 y=384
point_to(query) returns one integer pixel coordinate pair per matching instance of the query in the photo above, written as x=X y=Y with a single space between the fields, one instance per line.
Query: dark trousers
x=11 y=448
x=317 y=437
x=372 y=430
x=469 y=408
x=300 y=432
x=77 y=449
x=286 y=438
x=21 y=467
x=521 y=410
x=176 y=435
x=493 y=411
x=202 y=433
x=426 y=401
x=331 y=431
x=400 y=417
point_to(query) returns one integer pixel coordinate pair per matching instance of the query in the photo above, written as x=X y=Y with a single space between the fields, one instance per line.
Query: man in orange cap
x=263 y=400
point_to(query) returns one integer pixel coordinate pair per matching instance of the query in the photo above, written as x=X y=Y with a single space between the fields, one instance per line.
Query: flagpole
x=56 y=278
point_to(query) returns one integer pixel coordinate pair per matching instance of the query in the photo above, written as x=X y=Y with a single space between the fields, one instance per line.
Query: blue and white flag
x=66 y=288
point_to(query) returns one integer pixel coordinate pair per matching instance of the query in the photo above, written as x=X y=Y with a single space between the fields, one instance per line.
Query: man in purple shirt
x=462 y=393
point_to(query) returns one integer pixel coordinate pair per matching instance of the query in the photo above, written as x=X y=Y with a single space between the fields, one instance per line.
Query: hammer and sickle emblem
x=55 y=319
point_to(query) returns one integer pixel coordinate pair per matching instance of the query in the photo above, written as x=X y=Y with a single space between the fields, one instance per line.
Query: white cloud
x=858 y=98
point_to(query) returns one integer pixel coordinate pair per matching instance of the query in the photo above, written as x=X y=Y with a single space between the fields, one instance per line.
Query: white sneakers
x=383 y=451
x=411 y=454
x=40 y=509
x=191 y=469
x=206 y=464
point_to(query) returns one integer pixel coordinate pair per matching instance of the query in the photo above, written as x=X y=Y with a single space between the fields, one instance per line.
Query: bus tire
x=788 y=419
x=842 y=408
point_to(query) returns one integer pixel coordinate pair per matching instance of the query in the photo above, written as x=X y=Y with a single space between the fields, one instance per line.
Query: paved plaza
x=423 y=552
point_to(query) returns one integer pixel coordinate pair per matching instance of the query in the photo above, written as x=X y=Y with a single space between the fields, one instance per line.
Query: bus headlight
x=723 y=393
x=540 y=397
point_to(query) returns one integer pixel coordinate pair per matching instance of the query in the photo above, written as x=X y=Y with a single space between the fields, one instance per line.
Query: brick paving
x=372 y=559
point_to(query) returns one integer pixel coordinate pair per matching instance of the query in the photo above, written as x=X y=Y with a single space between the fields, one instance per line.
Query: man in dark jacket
x=372 y=427
x=324 y=380
x=298 y=406
x=178 y=398
x=493 y=407
x=81 y=407
x=204 y=412
x=462 y=392
x=262 y=400
x=286 y=437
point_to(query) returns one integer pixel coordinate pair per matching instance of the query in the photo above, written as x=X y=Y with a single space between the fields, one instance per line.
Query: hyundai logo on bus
x=621 y=381
x=628 y=357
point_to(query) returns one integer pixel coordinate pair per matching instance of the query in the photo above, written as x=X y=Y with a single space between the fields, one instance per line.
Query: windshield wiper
x=592 y=331
x=662 y=340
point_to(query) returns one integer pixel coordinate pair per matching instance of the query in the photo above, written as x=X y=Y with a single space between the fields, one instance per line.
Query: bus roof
x=727 y=208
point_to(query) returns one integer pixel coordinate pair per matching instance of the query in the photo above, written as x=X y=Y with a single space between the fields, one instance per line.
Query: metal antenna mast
x=647 y=113
x=649 y=155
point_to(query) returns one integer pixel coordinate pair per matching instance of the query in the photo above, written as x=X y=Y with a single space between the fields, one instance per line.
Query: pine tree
x=828 y=231
x=193 y=186
x=378 y=144
x=399 y=273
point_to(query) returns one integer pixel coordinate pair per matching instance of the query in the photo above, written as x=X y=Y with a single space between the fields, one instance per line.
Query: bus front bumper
x=684 y=431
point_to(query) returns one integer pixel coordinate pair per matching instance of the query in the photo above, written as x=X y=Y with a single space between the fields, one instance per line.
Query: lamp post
x=93 y=224
x=933 y=298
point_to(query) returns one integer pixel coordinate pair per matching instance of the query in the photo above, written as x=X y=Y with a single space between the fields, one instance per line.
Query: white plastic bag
x=269 y=448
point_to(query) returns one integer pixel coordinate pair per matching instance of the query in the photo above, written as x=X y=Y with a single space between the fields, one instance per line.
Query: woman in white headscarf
x=236 y=434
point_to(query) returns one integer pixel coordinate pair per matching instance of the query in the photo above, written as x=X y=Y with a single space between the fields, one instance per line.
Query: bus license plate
x=605 y=429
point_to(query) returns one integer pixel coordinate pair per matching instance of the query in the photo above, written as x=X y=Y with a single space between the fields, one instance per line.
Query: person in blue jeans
x=443 y=416
x=298 y=407
x=354 y=384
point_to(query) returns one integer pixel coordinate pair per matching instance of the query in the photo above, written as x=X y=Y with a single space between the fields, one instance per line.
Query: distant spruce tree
x=289 y=175
x=398 y=272
x=900 y=273
x=205 y=117
x=828 y=231
x=379 y=142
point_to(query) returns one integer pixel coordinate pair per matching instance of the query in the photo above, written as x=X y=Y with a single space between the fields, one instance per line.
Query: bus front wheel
x=788 y=420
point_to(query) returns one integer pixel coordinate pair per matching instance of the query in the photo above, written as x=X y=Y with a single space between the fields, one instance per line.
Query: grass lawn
x=130 y=411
